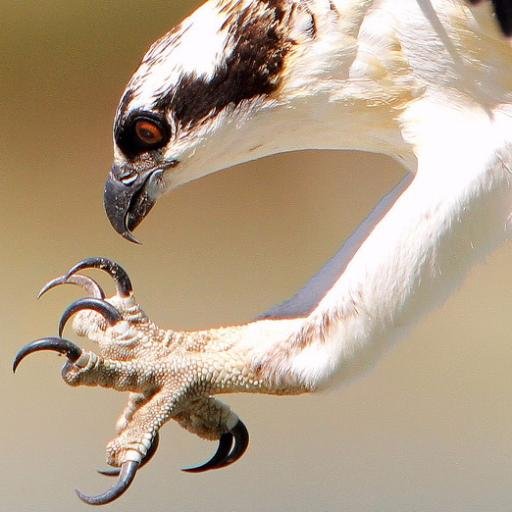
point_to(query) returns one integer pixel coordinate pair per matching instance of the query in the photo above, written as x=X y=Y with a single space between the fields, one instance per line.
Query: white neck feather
x=422 y=238
x=403 y=260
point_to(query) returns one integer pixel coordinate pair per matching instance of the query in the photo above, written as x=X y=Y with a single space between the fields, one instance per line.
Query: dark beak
x=127 y=200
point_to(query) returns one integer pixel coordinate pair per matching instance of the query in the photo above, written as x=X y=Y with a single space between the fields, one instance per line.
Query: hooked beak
x=128 y=198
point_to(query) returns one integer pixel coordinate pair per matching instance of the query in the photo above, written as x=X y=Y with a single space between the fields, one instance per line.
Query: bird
x=425 y=82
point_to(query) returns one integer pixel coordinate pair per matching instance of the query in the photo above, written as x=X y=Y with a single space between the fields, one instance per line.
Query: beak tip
x=128 y=235
x=126 y=206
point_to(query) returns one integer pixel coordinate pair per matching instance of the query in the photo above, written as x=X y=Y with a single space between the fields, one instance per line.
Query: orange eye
x=148 y=132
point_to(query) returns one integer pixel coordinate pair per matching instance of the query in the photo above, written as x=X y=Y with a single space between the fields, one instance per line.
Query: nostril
x=125 y=174
x=128 y=178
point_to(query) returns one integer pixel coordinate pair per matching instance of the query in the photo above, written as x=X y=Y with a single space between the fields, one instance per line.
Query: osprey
x=427 y=82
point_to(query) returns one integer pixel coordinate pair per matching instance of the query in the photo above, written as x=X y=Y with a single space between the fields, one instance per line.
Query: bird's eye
x=142 y=132
x=148 y=132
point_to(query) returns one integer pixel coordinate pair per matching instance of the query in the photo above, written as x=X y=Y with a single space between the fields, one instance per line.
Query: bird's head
x=201 y=100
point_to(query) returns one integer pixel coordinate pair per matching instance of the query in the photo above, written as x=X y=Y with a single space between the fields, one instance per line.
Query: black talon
x=241 y=435
x=104 y=308
x=226 y=455
x=69 y=349
x=123 y=283
x=126 y=476
x=149 y=455
x=87 y=283
x=225 y=443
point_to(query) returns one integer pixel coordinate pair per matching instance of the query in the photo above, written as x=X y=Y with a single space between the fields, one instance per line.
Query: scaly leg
x=163 y=370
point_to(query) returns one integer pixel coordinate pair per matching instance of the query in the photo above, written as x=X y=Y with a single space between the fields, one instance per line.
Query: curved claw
x=149 y=455
x=222 y=453
x=241 y=435
x=225 y=455
x=104 y=308
x=126 y=476
x=69 y=349
x=123 y=283
x=87 y=283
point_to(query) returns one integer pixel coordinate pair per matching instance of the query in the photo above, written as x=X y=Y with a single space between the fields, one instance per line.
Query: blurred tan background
x=429 y=429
